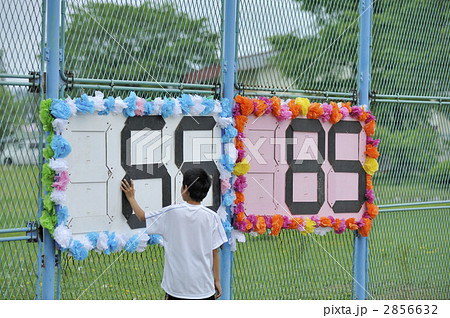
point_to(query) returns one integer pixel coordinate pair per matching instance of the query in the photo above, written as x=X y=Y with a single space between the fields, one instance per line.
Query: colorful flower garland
x=54 y=115
x=287 y=110
x=232 y=166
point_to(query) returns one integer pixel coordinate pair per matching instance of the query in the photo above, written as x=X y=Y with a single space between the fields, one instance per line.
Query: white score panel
x=151 y=150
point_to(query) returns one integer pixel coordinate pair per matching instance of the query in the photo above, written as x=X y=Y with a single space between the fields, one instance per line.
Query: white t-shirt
x=190 y=234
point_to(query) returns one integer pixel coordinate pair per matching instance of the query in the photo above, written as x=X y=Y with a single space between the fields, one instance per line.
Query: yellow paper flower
x=242 y=167
x=304 y=103
x=370 y=166
x=309 y=227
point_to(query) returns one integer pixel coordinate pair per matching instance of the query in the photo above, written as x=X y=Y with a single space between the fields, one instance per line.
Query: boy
x=192 y=235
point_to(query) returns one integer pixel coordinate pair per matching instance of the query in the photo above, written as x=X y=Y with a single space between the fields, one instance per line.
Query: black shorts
x=170 y=297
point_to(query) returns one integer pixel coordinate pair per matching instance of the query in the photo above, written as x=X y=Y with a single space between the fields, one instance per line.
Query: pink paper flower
x=370 y=196
x=327 y=109
x=356 y=112
x=285 y=113
x=225 y=185
x=61 y=181
x=140 y=106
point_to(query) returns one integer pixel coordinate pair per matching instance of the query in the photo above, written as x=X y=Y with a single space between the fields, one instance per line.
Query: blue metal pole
x=52 y=58
x=361 y=248
x=229 y=57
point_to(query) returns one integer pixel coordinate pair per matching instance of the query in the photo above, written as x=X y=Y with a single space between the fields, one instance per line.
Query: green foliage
x=410 y=50
x=144 y=42
x=440 y=173
x=407 y=153
x=325 y=58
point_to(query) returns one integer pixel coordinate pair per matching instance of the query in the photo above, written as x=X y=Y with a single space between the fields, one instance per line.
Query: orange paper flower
x=260 y=108
x=350 y=224
x=240 y=122
x=277 y=224
x=295 y=108
x=364 y=115
x=370 y=128
x=240 y=217
x=239 y=144
x=372 y=151
x=260 y=226
x=276 y=106
x=246 y=104
x=372 y=210
x=325 y=222
x=369 y=185
x=239 y=197
x=337 y=223
x=248 y=225
x=295 y=223
x=336 y=115
x=364 y=230
x=347 y=105
x=314 y=111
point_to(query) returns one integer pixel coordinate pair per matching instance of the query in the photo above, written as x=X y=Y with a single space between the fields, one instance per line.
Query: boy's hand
x=128 y=189
x=218 y=289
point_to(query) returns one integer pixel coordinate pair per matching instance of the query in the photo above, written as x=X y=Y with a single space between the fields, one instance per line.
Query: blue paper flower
x=226 y=108
x=60 y=109
x=132 y=244
x=209 y=106
x=186 y=103
x=155 y=239
x=148 y=108
x=227 y=162
x=227 y=199
x=93 y=237
x=62 y=215
x=84 y=105
x=109 y=106
x=78 y=251
x=229 y=133
x=112 y=243
x=167 y=108
x=131 y=103
x=61 y=147
x=227 y=227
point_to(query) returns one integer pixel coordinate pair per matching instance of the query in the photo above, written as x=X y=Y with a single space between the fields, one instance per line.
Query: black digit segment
x=348 y=127
x=190 y=123
x=305 y=125
x=146 y=171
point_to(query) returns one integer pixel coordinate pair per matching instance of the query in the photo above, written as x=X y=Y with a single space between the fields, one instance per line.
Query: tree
x=410 y=50
x=145 y=42
x=324 y=57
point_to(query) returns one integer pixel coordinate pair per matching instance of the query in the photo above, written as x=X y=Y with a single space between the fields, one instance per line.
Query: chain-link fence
x=284 y=47
x=20 y=61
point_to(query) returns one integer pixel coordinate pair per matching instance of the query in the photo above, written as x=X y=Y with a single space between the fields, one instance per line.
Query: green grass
x=408 y=256
x=18 y=205
x=18 y=196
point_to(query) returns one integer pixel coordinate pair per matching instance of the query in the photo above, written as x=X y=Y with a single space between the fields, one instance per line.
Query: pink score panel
x=305 y=167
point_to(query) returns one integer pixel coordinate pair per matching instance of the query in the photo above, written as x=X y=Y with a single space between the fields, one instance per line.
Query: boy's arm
x=216 y=272
x=129 y=193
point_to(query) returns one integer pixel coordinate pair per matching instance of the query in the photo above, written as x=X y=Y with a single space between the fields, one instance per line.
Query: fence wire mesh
x=151 y=41
x=20 y=54
x=308 y=48
x=408 y=252
x=298 y=45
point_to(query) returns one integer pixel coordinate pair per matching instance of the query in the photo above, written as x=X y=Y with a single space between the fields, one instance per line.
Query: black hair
x=197 y=182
